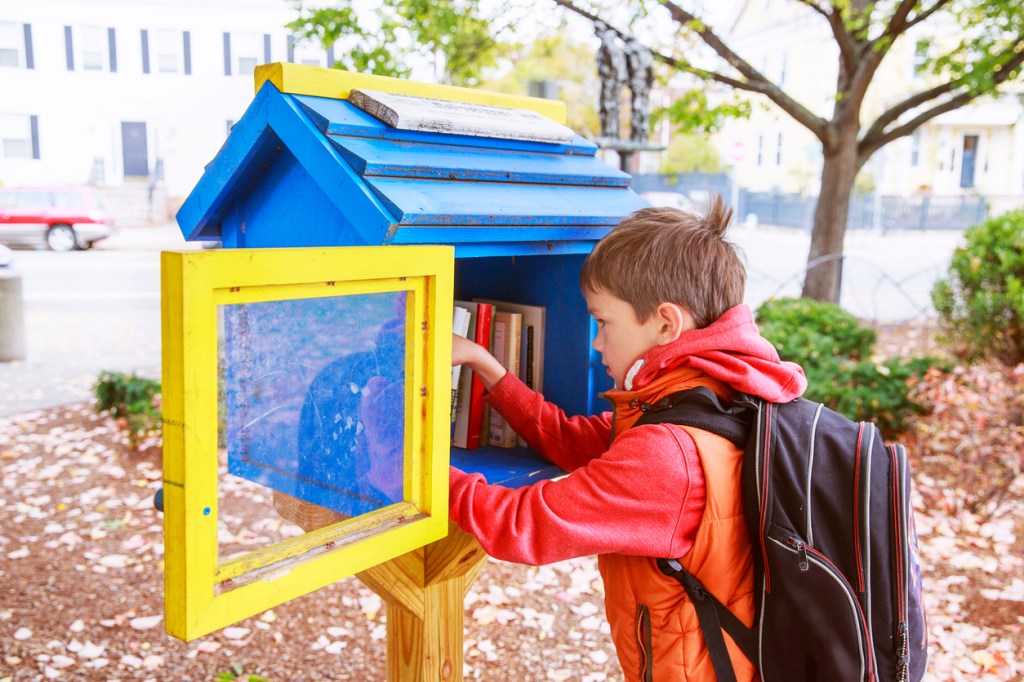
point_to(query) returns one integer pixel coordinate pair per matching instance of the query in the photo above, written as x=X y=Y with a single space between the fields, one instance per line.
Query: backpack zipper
x=866 y=529
x=898 y=458
x=808 y=522
x=643 y=642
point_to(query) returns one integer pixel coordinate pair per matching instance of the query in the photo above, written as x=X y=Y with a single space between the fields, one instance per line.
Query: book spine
x=475 y=425
x=499 y=348
x=460 y=326
x=515 y=332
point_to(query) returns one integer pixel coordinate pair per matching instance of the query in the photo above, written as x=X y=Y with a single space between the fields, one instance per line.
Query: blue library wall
x=288 y=209
x=573 y=375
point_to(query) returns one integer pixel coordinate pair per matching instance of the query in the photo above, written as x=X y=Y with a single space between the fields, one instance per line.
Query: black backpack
x=837 y=583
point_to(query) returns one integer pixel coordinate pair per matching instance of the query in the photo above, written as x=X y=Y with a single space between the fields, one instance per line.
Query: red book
x=469 y=417
x=484 y=315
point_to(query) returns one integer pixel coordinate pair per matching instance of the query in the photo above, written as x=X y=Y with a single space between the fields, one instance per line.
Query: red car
x=62 y=218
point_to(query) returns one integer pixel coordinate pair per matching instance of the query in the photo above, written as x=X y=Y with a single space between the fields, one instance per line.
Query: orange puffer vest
x=653 y=624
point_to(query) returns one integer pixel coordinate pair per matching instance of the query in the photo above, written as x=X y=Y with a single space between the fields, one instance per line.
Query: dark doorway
x=133 y=145
x=969 y=159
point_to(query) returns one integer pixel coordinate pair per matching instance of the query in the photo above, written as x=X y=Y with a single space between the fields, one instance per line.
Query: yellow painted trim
x=299 y=79
x=203 y=594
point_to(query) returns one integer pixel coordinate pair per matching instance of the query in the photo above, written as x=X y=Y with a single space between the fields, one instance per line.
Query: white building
x=130 y=92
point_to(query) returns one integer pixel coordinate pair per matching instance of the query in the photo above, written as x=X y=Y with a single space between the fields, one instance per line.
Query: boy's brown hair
x=664 y=255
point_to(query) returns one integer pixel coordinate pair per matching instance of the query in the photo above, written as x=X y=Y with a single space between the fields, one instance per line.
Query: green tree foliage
x=691 y=112
x=981 y=52
x=835 y=351
x=691 y=153
x=981 y=300
x=452 y=33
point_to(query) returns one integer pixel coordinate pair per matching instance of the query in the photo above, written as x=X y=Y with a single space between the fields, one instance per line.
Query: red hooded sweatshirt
x=639 y=492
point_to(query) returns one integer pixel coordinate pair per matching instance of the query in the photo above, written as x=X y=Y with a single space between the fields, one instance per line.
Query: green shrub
x=835 y=351
x=981 y=301
x=131 y=400
x=813 y=330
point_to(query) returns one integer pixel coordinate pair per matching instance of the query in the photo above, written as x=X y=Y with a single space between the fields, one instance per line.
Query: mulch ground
x=81 y=556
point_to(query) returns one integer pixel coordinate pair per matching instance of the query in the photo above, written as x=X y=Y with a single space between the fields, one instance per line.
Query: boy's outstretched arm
x=477 y=358
x=569 y=442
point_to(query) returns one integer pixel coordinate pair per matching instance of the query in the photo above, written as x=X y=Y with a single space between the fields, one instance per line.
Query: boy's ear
x=673 y=320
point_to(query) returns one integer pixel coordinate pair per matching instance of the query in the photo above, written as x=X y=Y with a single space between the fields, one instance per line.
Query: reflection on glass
x=313 y=395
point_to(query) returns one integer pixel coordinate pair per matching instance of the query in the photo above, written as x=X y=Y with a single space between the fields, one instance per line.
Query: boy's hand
x=476 y=357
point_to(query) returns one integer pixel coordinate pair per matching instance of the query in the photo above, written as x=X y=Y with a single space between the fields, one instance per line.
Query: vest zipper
x=643 y=643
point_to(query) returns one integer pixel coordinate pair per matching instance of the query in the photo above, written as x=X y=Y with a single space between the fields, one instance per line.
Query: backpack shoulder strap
x=700 y=408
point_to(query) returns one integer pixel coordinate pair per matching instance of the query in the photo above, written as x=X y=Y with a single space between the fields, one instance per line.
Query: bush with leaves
x=131 y=400
x=835 y=350
x=981 y=301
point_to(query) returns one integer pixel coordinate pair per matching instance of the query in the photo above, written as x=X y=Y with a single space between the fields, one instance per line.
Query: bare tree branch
x=876 y=138
x=755 y=81
x=835 y=22
x=921 y=16
x=906 y=105
x=815 y=6
x=758 y=83
x=897 y=22
x=865 y=148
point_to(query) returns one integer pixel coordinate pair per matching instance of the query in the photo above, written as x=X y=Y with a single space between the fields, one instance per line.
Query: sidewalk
x=100 y=309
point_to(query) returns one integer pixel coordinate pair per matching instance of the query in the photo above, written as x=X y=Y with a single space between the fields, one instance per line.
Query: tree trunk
x=824 y=262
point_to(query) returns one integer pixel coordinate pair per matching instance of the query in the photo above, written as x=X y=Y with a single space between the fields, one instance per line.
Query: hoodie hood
x=731 y=350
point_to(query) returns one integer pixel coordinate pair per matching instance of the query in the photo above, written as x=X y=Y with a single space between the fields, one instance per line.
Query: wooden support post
x=425 y=593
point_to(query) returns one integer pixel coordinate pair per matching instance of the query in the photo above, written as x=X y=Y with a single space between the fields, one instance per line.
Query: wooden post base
x=425 y=593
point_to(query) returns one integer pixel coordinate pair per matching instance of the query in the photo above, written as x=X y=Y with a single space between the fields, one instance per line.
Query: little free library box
x=309 y=358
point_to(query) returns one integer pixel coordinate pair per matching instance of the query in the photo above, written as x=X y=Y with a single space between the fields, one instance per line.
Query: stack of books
x=514 y=334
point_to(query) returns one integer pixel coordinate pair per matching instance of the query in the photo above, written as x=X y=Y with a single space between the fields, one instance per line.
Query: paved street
x=85 y=312
x=97 y=310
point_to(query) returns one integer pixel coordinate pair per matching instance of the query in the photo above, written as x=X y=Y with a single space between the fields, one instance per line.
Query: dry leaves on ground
x=81 y=553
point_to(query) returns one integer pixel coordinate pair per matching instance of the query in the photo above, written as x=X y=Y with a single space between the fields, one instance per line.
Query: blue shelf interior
x=510 y=467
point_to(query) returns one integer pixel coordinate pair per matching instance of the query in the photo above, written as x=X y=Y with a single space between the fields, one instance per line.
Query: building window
x=915 y=148
x=782 y=70
x=778 y=150
x=248 y=50
x=760 y=150
x=93 y=48
x=168 y=48
x=304 y=52
x=15 y=45
x=19 y=136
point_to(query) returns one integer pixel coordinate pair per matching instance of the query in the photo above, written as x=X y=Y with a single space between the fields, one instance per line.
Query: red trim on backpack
x=856 y=510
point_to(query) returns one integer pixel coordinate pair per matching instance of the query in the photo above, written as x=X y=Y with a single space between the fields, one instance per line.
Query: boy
x=666 y=291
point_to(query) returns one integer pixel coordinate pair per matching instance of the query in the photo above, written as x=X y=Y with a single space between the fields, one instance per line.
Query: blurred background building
x=134 y=96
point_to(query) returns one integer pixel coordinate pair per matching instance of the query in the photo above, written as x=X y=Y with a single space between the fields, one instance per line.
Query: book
x=531 y=366
x=469 y=418
x=505 y=349
x=460 y=326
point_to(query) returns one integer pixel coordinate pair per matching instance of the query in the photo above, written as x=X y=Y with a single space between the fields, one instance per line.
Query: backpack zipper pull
x=902 y=651
x=801 y=550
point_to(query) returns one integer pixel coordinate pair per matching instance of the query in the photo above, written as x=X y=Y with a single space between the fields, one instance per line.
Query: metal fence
x=794 y=210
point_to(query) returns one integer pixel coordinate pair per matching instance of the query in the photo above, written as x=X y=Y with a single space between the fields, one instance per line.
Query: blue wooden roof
x=298 y=170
